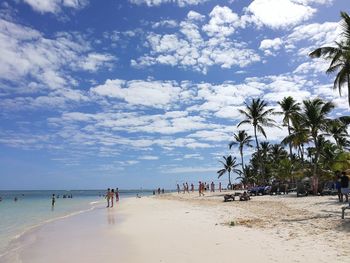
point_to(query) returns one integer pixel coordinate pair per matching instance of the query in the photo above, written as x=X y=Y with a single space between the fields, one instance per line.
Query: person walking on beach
x=212 y=187
x=108 y=195
x=192 y=188
x=344 y=184
x=187 y=190
x=112 y=197
x=219 y=186
x=338 y=185
x=117 y=194
x=178 y=188
x=201 y=188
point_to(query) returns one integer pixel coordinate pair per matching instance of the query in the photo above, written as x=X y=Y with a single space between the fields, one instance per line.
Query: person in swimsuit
x=112 y=196
x=107 y=196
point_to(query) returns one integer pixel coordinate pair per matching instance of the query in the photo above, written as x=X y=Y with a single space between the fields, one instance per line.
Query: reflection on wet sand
x=110 y=217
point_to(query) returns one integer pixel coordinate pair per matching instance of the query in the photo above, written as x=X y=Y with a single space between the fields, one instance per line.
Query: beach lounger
x=244 y=198
x=343 y=211
x=229 y=197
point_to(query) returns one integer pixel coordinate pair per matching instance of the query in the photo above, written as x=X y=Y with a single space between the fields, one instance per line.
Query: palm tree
x=257 y=115
x=241 y=138
x=290 y=108
x=229 y=166
x=329 y=152
x=249 y=175
x=299 y=136
x=338 y=130
x=314 y=117
x=339 y=56
x=276 y=153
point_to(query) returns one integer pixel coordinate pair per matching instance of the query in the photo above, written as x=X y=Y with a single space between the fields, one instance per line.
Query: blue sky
x=145 y=93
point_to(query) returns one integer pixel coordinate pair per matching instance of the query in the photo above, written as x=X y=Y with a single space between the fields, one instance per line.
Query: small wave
x=95 y=202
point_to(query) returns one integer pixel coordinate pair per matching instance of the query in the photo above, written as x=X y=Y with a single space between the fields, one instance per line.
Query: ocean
x=33 y=208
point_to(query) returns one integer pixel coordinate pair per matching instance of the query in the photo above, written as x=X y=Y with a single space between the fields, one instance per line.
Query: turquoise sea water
x=33 y=208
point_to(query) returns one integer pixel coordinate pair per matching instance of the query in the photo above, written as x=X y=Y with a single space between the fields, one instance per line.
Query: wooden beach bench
x=343 y=211
x=229 y=197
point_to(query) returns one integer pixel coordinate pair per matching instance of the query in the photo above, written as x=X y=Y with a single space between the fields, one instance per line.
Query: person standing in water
x=53 y=201
x=117 y=194
x=108 y=195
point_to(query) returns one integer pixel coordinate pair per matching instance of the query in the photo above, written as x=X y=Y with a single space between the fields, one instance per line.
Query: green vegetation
x=317 y=144
x=229 y=166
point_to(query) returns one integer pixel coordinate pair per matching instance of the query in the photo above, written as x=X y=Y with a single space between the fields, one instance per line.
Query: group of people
x=202 y=187
x=185 y=188
x=159 y=191
x=110 y=196
x=343 y=187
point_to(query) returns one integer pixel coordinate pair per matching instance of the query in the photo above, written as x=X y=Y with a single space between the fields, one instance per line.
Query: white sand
x=186 y=228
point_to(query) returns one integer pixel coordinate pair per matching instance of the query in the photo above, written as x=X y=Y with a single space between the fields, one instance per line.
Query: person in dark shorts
x=344 y=184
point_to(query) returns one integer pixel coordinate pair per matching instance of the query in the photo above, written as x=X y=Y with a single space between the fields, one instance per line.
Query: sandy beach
x=185 y=228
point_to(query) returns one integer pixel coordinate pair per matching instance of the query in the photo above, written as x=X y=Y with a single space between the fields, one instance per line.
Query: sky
x=146 y=93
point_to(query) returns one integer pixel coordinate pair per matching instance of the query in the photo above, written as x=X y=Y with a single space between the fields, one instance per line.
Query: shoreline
x=14 y=243
x=184 y=228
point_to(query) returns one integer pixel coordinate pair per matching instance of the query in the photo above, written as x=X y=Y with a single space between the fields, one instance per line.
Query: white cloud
x=159 y=94
x=27 y=54
x=194 y=16
x=223 y=22
x=180 y=3
x=148 y=157
x=199 y=46
x=196 y=53
x=279 y=13
x=270 y=46
x=55 y=6
x=193 y=156
x=94 y=61
x=165 y=23
x=218 y=135
x=315 y=34
x=191 y=169
x=308 y=2
x=224 y=100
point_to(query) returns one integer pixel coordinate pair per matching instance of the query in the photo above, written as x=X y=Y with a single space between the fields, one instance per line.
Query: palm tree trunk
x=315 y=176
x=229 y=179
x=258 y=149
x=256 y=141
x=349 y=89
x=290 y=143
x=241 y=152
x=302 y=152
